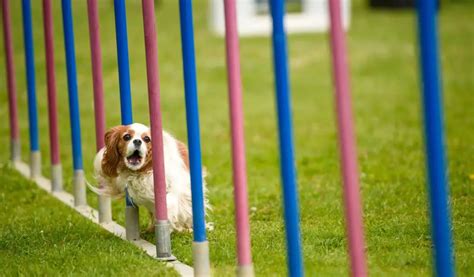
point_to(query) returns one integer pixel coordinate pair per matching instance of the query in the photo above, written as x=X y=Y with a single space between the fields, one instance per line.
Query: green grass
x=30 y=244
x=385 y=86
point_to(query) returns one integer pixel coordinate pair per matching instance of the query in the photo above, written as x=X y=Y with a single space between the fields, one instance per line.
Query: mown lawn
x=41 y=237
x=384 y=67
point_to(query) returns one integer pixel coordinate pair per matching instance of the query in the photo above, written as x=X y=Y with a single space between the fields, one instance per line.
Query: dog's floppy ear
x=111 y=158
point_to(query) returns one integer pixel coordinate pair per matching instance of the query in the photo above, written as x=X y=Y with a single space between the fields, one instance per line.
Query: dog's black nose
x=137 y=142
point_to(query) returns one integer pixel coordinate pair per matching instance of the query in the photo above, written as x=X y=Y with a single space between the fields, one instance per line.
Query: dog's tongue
x=134 y=159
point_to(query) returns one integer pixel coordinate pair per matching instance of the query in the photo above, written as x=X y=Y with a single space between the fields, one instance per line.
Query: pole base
x=56 y=178
x=163 y=241
x=35 y=164
x=105 y=209
x=201 y=258
x=79 y=188
x=132 y=228
x=15 y=150
x=245 y=271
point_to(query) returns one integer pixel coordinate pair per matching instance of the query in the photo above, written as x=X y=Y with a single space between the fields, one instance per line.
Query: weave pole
x=35 y=156
x=244 y=255
x=347 y=147
x=131 y=211
x=434 y=138
x=200 y=243
x=56 y=171
x=162 y=225
x=105 y=210
x=15 y=149
x=285 y=132
x=78 y=180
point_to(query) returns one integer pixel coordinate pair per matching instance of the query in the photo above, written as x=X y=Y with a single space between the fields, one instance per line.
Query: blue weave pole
x=192 y=118
x=124 y=69
x=200 y=243
x=72 y=84
x=131 y=211
x=30 y=75
x=123 y=62
x=434 y=138
x=287 y=163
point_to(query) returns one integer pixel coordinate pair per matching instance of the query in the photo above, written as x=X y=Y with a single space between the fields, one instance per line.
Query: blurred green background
x=384 y=78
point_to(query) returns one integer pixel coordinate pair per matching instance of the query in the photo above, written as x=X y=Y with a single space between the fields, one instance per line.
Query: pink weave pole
x=163 y=244
x=105 y=208
x=155 y=112
x=96 y=55
x=51 y=82
x=349 y=166
x=238 y=144
x=11 y=80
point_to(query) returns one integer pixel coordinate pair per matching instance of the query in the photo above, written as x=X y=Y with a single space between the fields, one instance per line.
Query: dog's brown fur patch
x=183 y=151
x=114 y=144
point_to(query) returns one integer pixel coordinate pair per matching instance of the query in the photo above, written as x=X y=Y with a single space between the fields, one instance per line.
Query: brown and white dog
x=126 y=161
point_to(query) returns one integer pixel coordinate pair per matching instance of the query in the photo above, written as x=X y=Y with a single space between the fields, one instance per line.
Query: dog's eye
x=147 y=139
x=127 y=137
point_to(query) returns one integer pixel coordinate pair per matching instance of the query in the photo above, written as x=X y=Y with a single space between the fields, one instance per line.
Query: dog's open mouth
x=135 y=158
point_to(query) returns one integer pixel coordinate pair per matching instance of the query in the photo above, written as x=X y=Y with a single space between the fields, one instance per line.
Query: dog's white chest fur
x=140 y=189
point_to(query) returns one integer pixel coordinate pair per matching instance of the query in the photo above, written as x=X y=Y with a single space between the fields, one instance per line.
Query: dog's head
x=127 y=148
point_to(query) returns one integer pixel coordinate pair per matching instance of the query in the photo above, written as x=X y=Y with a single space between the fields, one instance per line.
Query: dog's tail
x=105 y=191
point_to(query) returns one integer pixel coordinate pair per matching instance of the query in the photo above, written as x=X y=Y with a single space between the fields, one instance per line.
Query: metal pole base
x=35 y=164
x=105 y=210
x=245 y=271
x=15 y=150
x=56 y=177
x=79 y=188
x=163 y=241
x=201 y=258
x=132 y=228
